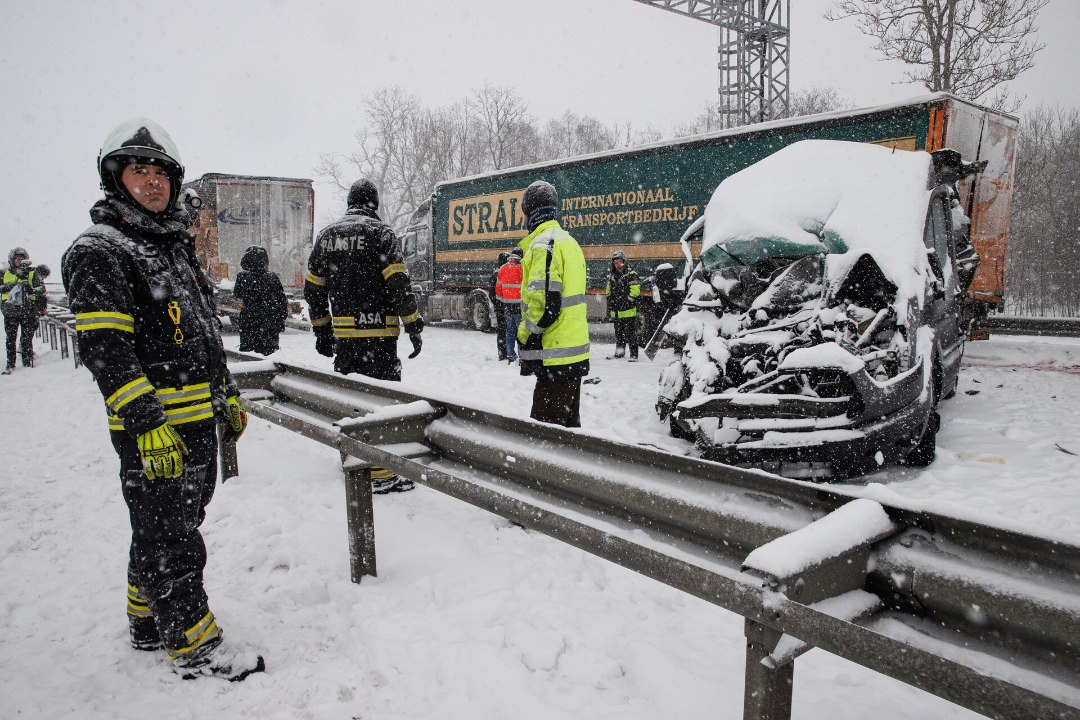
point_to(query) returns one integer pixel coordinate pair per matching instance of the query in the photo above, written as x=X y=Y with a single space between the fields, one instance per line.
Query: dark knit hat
x=539 y=194
x=363 y=193
x=517 y=252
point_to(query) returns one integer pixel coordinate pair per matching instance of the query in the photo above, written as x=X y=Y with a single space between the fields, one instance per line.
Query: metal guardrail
x=58 y=329
x=1017 y=325
x=983 y=616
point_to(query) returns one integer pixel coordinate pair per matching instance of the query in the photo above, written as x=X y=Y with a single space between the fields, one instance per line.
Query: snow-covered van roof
x=843 y=198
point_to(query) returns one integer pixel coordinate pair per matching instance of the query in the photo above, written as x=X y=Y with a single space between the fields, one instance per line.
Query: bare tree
x=966 y=47
x=573 y=135
x=809 y=101
x=814 y=100
x=503 y=115
x=1043 y=264
x=708 y=120
x=384 y=153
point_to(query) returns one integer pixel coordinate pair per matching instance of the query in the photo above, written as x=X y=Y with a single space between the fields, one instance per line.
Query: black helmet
x=138 y=140
x=539 y=194
x=618 y=255
x=363 y=193
x=517 y=252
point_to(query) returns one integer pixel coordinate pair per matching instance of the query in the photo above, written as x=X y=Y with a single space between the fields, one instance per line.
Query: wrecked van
x=826 y=315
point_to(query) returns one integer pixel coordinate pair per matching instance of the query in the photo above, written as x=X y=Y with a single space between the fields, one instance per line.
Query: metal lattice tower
x=755 y=52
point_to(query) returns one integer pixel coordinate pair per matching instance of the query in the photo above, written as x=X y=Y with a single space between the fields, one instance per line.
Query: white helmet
x=138 y=140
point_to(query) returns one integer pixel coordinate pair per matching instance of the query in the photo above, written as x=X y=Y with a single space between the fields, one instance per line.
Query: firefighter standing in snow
x=623 y=290
x=554 y=330
x=147 y=330
x=21 y=295
x=359 y=296
x=508 y=295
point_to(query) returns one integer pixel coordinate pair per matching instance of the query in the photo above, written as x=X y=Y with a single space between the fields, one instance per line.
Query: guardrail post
x=361 y=515
x=767 y=691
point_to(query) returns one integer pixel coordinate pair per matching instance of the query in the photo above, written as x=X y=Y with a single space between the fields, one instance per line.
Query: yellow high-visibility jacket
x=553 y=303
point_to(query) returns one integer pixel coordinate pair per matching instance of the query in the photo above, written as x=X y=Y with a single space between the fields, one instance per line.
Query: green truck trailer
x=644 y=201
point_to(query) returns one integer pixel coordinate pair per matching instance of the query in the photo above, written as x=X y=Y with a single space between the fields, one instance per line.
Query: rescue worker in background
x=20 y=295
x=359 y=295
x=264 y=306
x=43 y=272
x=500 y=319
x=147 y=331
x=623 y=290
x=554 y=330
x=508 y=294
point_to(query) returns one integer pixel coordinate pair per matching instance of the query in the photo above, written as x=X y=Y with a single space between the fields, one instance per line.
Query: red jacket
x=508 y=286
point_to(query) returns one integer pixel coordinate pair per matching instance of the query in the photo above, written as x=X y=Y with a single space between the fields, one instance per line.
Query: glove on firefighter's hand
x=237 y=418
x=324 y=343
x=162 y=452
x=416 y=343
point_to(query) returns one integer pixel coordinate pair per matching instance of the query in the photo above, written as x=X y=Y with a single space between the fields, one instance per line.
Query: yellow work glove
x=237 y=418
x=162 y=452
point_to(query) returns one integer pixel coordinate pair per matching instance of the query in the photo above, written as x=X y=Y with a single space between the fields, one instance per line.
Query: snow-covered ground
x=470 y=617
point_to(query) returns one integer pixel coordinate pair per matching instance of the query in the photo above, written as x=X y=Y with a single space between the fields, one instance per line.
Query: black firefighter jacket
x=356 y=272
x=145 y=320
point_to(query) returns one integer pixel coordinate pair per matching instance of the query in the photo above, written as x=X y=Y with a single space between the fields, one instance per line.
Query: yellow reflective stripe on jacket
x=560 y=353
x=189 y=413
x=623 y=314
x=410 y=318
x=320 y=321
x=128 y=392
x=315 y=279
x=366 y=332
x=198 y=635
x=104 y=321
x=392 y=269
x=345 y=327
x=635 y=290
x=181 y=405
x=169 y=396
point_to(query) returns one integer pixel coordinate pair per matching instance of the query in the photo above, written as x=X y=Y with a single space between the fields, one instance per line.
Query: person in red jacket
x=508 y=293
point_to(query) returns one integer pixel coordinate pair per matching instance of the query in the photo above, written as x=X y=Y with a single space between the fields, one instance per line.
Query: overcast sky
x=264 y=87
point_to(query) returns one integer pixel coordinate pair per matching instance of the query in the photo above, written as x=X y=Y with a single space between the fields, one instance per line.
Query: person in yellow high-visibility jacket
x=554 y=329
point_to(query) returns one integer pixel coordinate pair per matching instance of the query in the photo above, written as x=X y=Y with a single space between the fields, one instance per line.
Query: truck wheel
x=477 y=315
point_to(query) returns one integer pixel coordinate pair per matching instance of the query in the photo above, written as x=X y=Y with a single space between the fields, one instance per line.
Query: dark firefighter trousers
x=28 y=324
x=376 y=358
x=167 y=553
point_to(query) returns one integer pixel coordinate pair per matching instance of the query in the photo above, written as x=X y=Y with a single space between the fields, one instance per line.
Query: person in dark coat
x=264 y=309
x=20 y=294
x=42 y=298
x=148 y=332
x=500 y=316
x=359 y=296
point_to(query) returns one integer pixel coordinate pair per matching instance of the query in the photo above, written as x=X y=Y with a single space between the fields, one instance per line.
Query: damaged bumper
x=864 y=423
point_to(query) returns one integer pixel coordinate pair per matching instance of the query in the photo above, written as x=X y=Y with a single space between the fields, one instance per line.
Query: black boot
x=216 y=659
x=144 y=633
